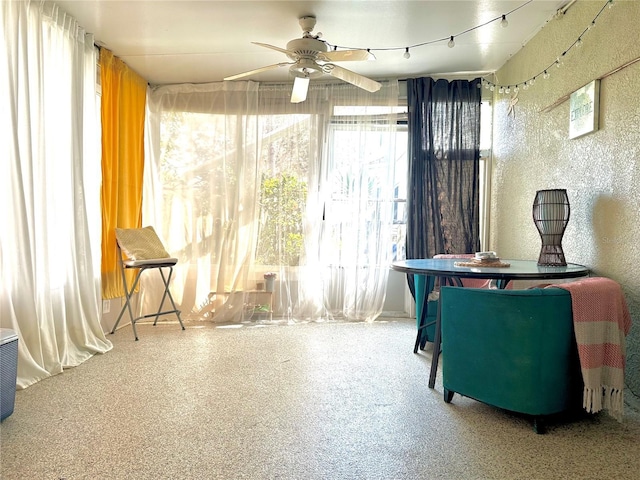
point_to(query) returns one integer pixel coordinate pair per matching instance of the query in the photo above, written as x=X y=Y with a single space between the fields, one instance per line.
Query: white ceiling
x=182 y=41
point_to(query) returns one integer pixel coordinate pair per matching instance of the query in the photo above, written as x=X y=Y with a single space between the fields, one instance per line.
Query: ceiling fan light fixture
x=305 y=68
x=300 y=89
x=309 y=57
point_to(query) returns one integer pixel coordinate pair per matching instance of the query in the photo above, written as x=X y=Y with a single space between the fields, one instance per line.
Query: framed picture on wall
x=584 y=105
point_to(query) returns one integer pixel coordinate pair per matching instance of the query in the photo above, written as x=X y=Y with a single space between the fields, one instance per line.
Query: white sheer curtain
x=241 y=182
x=200 y=191
x=49 y=190
x=357 y=192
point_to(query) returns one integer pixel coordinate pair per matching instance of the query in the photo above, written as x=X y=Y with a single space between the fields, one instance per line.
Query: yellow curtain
x=123 y=109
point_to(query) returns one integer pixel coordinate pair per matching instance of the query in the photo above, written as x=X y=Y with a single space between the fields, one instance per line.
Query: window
x=284 y=161
x=486 y=126
x=284 y=166
x=360 y=164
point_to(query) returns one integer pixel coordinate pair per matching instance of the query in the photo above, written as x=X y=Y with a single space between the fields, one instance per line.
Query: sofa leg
x=448 y=395
x=539 y=425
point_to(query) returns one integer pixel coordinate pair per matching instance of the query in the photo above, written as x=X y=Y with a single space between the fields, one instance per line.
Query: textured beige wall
x=601 y=172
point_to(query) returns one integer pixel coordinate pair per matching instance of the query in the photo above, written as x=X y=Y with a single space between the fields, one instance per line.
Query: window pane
x=284 y=166
x=351 y=157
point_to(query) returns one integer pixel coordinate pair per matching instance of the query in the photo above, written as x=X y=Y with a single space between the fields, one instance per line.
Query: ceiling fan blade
x=257 y=70
x=266 y=45
x=351 y=77
x=346 y=55
x=300 y=89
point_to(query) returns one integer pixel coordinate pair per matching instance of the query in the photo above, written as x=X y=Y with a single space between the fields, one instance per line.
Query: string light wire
x=544 y=73
x=449 y=38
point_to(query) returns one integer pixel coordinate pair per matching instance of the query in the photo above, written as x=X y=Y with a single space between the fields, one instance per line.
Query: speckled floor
x=311 y=401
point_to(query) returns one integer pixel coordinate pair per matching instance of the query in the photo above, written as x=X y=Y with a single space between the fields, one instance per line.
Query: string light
x=558 y=61
x=449 y=39
x=504 y=23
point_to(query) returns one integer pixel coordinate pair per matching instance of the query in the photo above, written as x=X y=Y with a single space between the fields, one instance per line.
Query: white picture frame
x=584 y=106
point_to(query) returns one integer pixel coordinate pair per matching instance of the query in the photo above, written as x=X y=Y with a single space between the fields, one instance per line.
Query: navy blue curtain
x=444 y=167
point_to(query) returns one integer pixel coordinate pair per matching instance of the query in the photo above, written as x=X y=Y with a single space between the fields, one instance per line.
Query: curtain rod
x=566 y=97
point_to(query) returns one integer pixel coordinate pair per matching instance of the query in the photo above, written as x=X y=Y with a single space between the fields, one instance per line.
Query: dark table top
x=518 y=269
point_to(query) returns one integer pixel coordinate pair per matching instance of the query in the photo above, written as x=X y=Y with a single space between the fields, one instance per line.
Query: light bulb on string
x=545 y=74
x=504 y=23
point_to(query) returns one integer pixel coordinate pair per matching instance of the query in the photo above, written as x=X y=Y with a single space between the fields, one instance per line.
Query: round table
x=446 y=269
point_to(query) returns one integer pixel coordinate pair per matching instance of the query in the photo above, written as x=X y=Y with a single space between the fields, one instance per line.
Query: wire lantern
x=551 y=212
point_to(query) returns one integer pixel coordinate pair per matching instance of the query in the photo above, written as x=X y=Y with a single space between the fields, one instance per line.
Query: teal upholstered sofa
x=514 y=349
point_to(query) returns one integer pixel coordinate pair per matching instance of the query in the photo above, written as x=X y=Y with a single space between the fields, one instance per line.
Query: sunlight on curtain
x=123 y=102
x=49 y=184
x=247 y=184
x=200 y=192
x=358 y=227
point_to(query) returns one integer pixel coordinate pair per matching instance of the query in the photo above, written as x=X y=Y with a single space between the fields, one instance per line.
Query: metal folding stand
x=141 y=266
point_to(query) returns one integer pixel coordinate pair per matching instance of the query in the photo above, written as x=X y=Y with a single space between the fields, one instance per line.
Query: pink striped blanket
x=601 y=321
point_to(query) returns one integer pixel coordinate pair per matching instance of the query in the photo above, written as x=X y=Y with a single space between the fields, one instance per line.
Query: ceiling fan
x=312 y=58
